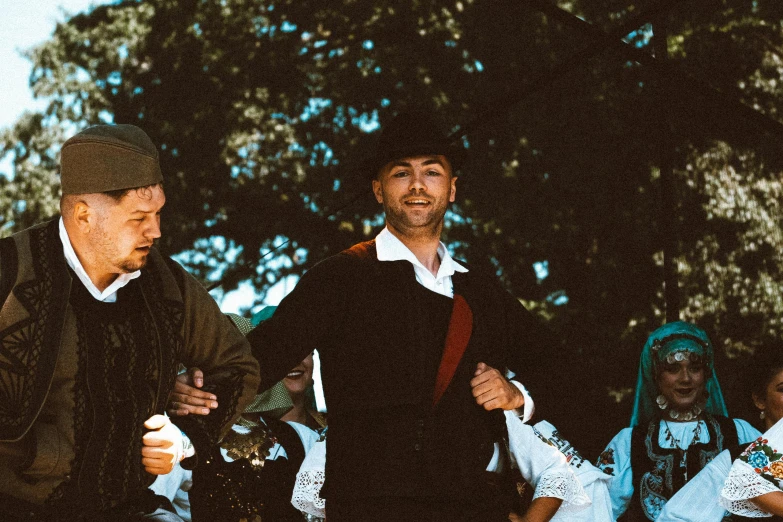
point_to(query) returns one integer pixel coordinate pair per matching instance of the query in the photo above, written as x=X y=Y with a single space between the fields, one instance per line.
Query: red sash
x=460 y=328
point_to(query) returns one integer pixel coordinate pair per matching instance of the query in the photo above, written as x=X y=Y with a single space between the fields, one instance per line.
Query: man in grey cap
x=93 y=324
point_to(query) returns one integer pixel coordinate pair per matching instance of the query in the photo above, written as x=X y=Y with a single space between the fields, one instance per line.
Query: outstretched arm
x=542 y=509
x=770 y=502
x=230 y=373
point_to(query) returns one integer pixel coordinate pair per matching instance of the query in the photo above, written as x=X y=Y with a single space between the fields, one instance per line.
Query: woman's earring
x=762 y=415
x=662 y=402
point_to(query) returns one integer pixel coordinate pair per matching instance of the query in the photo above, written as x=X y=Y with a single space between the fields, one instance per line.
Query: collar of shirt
x=390 y=248
x=109 y=295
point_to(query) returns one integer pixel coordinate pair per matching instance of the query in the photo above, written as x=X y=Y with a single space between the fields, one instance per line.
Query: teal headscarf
x=665 y=343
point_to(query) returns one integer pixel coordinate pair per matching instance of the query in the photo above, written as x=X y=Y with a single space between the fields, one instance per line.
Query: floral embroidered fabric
x=606 y=461
x=541 y=464
x=758 y=470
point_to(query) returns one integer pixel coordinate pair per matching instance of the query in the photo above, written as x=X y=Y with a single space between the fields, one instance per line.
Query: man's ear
x=83 y=216
x=453 y=194
x=377 y=190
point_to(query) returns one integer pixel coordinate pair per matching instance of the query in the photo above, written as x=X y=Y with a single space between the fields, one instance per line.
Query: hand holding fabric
x=493 y=391
x=162 y=448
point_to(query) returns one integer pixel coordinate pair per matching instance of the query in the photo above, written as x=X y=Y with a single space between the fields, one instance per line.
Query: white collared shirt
x=390 y=248
x=109 y=295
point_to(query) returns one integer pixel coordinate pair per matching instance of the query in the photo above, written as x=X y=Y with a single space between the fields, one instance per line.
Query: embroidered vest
x=236 y=491
x=657 y=474
x=34 y=287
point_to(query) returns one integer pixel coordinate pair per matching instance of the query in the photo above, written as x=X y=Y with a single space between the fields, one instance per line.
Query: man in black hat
x=93 y=324
x=409 y=341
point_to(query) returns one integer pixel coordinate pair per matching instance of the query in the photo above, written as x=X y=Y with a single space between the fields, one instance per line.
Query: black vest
x=380 y=340
x=234 y=491
x=657 y=474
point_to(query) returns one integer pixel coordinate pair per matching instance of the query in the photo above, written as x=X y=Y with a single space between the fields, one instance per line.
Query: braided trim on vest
x=653 y=466
x=29 y=348
x=9 y=264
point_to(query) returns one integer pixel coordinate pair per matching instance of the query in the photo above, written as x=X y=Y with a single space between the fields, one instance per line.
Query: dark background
x=571 y=113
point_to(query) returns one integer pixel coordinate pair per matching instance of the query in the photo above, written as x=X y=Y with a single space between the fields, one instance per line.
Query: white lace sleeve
x=743 y=484
x=309 y=481
x=544 y=466
x=563 y=485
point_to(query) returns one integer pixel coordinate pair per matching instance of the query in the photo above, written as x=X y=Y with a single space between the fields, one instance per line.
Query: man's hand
x=186 y=398
x=493 y=391
x=162 y=445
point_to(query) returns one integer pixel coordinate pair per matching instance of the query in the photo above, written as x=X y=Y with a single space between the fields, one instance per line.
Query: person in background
x=700 y=498
x=298 y=384
x=252 y=472
x=678 y=424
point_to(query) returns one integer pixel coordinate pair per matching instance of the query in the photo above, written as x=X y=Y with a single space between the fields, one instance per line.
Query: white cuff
x=187 y=447
x=306 y=496
x=526 y=412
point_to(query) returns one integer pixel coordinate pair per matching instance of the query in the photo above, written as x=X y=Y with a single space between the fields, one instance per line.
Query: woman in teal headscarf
x=679 y=423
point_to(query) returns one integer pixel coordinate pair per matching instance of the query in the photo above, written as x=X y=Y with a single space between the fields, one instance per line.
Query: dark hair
x=766 y=363
x=117 y=195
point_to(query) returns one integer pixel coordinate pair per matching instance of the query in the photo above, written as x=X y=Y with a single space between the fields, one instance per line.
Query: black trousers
x=402 y=509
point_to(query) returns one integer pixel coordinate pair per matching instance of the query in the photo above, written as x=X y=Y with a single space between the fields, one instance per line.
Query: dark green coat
x=42 y=371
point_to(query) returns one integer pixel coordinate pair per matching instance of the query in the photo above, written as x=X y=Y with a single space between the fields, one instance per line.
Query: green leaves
x=263 y=109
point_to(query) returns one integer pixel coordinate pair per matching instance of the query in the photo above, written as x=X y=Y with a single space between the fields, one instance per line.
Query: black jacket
x=380 y=337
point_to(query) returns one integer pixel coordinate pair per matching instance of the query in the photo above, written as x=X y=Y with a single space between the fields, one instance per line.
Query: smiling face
x=682 y=383
x=298 y=379
x=415 y=193
x=771 y=400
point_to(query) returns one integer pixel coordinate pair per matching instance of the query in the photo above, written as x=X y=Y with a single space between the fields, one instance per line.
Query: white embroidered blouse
x=616 y=458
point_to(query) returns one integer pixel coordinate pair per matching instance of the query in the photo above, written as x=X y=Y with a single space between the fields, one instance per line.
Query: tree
x=263 y=109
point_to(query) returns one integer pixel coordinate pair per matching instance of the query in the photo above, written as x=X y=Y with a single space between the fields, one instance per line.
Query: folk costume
x=700 y=498
x=81 y=370
x=380 y=334
x=655 y=457
x=594 y=482
x=251 y=474
x=756 y=471
x=535 y=454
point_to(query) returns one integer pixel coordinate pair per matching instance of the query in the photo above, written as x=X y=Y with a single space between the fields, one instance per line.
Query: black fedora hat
x=409 y=134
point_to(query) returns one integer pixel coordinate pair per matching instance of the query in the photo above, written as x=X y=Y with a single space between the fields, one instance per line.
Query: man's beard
x=426 y=224
x=106 y=245
x=128 y=266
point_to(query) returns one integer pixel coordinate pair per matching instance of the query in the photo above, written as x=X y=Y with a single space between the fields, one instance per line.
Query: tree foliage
x=263 y=110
